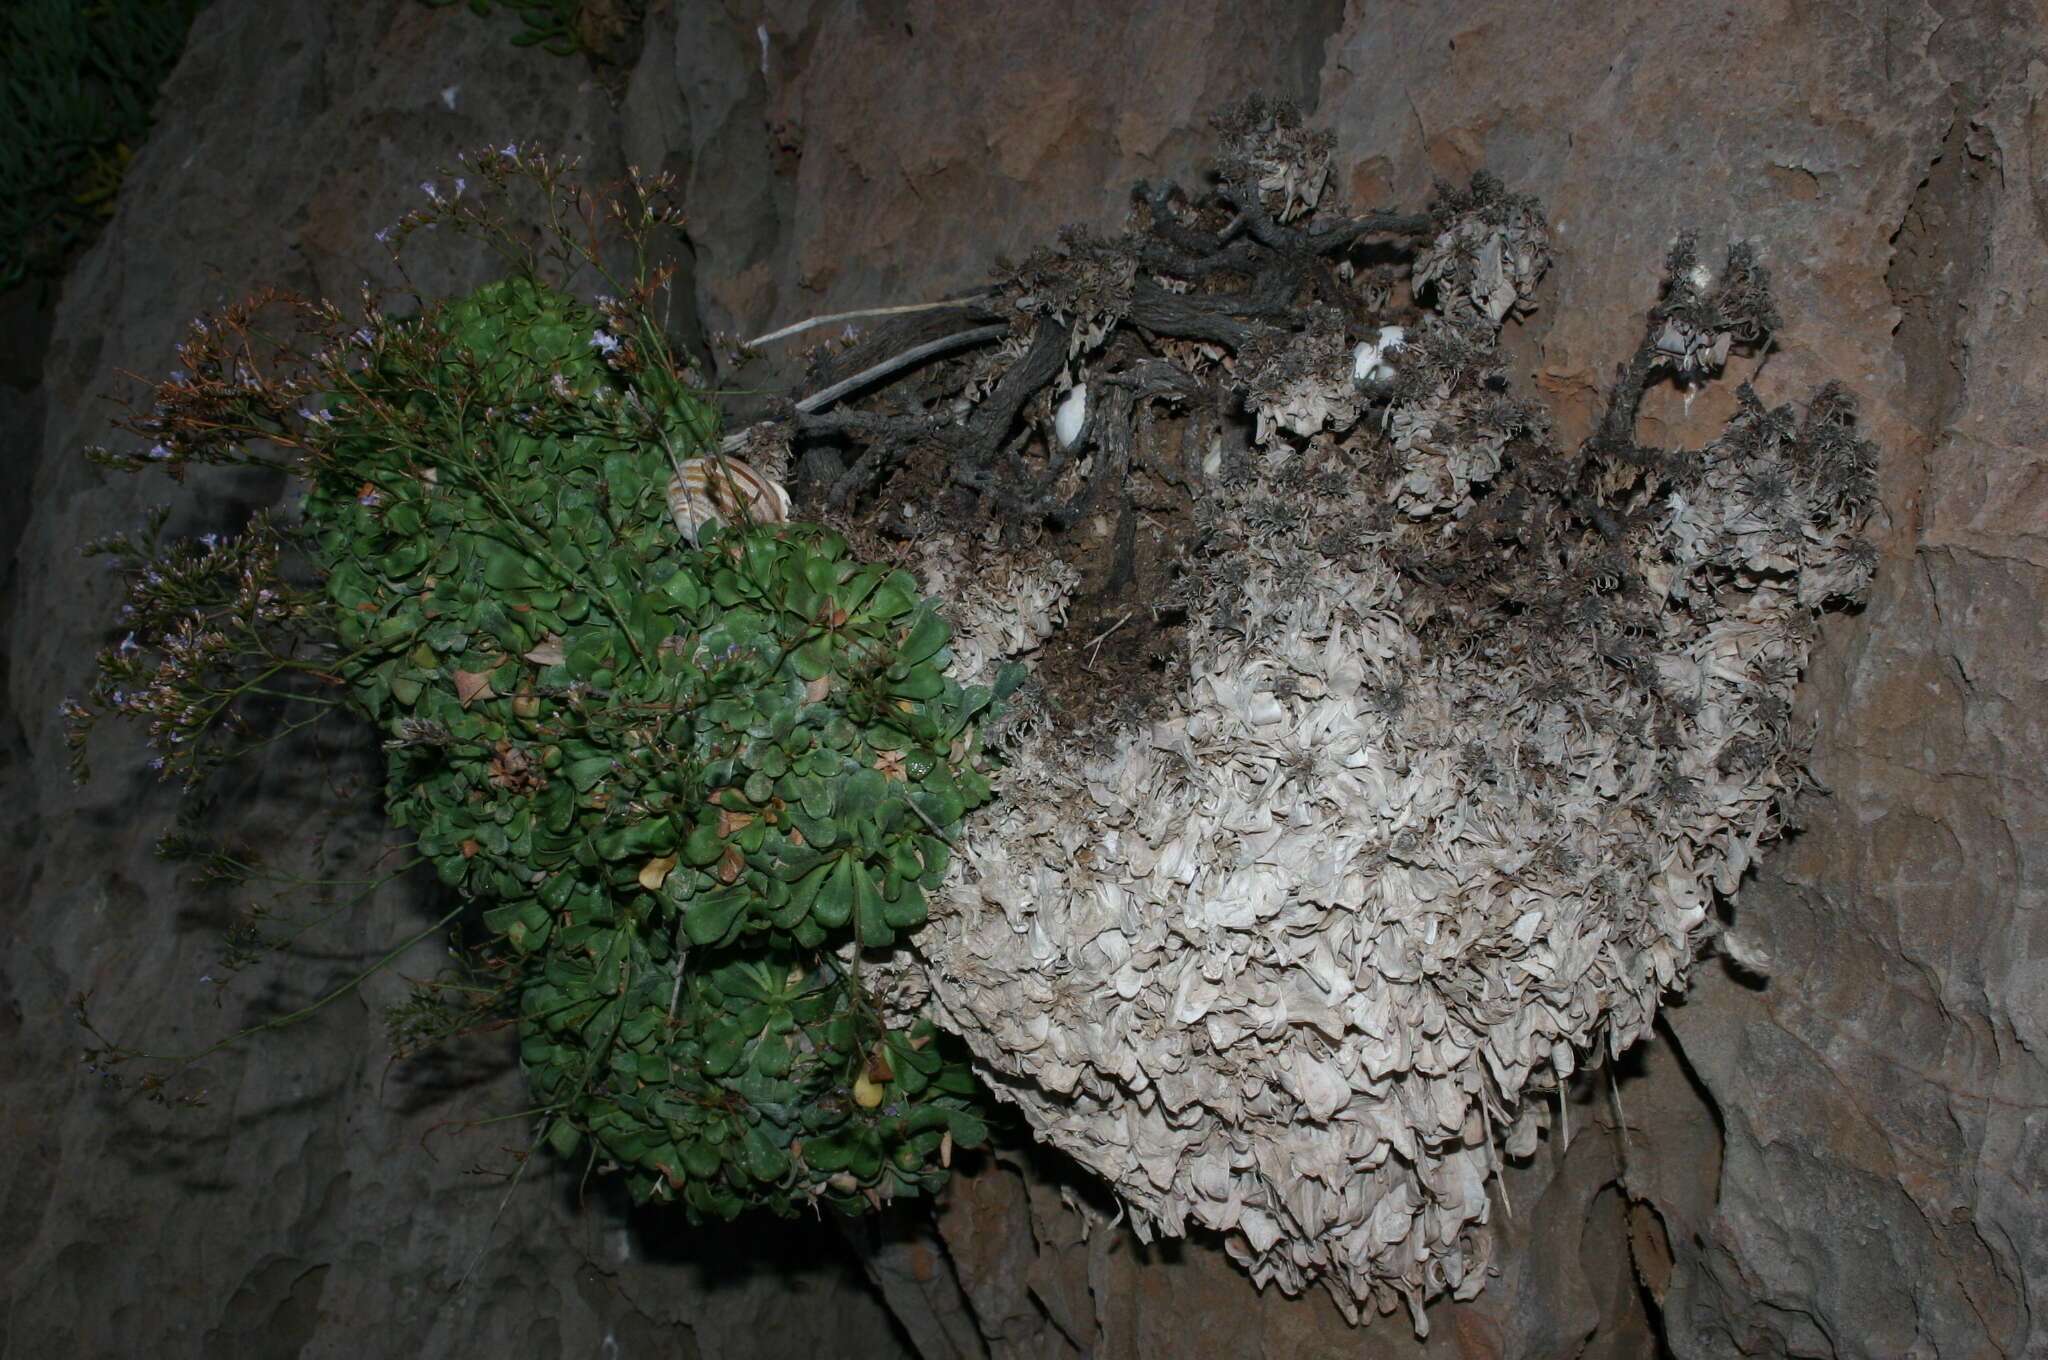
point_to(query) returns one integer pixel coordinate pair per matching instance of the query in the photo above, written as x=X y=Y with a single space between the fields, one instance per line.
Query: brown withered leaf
x=655 y=872
x=546 y=652
x=512 y=769
x=473 y=685
x=730 y=864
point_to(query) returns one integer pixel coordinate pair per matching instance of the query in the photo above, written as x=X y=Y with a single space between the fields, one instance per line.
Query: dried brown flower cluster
x=1464 y=730
x=224 y=631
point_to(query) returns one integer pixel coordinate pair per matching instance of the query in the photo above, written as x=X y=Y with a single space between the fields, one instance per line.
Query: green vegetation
x=77 y=82
x=550 y=22
x=689 y=784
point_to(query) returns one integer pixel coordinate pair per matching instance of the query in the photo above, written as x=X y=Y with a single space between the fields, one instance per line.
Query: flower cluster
x=214 y=637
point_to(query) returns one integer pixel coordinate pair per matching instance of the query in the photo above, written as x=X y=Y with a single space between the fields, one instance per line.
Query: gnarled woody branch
x=1277 y=256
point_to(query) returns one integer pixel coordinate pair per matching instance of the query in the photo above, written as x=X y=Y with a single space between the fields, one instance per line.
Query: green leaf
x=909 y=1080
x=922 y=682
x=968 y=1129
x=555 y=890
x=870 y=918
x=850 y=1150
x=860 y=795
x=819 y=833
x=563 y=1136
x=771 y=1057
x=685 y=589
x=822 y=575
x=500 y=919
x=649 y=836
x=510 y=569
x=585 y=773
x=403 y=519
x=834 y=902
x=703 y=845
x=763 y=1159
x=942 y=805
x=713 y=917
x=927 y=634
x=724 y=1045
x=813 y=659
x=796 y=864
x=908 y=911
x=700 y=1158
x=896 y=596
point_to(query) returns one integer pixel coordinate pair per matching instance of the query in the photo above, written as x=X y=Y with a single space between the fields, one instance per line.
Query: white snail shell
x=704 y=489
x=1369 y=362
x=1072 y=415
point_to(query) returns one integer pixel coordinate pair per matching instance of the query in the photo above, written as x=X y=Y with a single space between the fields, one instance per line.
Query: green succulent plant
x=683 y=776
x=76 y=85
x=552 y=23
x=690 y=781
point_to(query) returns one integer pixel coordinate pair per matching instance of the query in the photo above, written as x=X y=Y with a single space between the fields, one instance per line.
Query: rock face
x=298 y=1211
x=1838 y=1151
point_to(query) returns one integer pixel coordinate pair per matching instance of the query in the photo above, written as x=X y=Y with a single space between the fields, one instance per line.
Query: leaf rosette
x=693 y=782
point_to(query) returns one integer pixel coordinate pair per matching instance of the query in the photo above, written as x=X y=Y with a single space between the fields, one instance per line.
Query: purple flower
x=605 y=341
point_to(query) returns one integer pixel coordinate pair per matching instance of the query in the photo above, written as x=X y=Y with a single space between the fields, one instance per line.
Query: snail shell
x=704 y=489
x=1072 y=417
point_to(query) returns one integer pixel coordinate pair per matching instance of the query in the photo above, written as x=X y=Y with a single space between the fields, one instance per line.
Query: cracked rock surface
x=1837 y=1149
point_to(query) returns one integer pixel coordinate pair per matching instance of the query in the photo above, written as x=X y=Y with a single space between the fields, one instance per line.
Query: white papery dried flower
x=1292 y=961
x=1371 y=361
